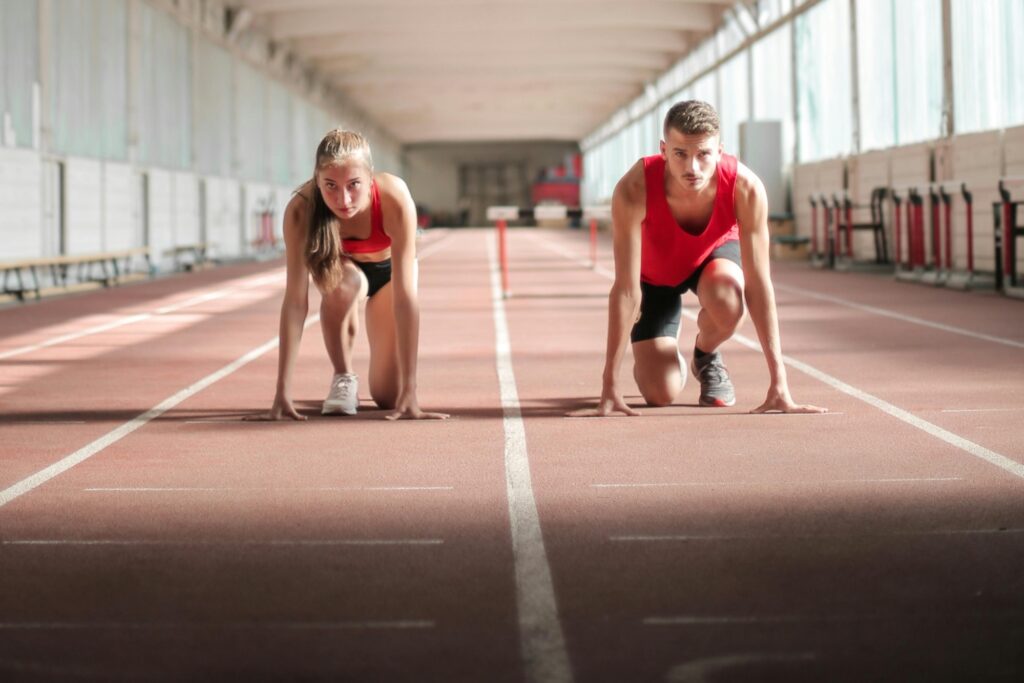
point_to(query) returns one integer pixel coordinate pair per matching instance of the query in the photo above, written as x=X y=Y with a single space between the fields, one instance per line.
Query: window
x=823 y=80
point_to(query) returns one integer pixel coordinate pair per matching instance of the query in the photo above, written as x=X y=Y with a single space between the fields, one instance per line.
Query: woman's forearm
x=407 y=328
x=293 y=317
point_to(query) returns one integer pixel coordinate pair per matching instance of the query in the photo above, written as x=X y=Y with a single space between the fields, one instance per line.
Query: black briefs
x=378 y=273
x=661 y=307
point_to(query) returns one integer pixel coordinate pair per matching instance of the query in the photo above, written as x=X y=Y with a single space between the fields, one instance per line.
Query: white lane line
x=230 y=489
x=542 y=642
x=139 y=317
x=824 y=482
x=685 y=538
x=400 y=624
x=115 y=435
x=692 y=620
x=284 y=543
x=900 y=316
x=999 y=460
x=982 y=410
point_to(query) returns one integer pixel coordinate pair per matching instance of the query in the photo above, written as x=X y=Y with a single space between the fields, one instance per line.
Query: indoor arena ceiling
x=456 y=70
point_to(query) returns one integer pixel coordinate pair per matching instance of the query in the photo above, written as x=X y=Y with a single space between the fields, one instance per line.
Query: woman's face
x=345 y=187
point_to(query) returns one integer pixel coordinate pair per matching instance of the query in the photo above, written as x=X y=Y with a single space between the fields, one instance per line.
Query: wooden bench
x=189 y=256
x=71 y=272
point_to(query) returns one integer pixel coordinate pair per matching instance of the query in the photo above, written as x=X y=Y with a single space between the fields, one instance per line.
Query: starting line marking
x=688 y=620
x=204 y=489
x=243 y=625
x=998 y=459
x=773 y=484
x=684 y=538
x=285 y=543
x=542 y=642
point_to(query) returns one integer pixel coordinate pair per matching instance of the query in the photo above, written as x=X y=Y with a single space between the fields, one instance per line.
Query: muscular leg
x=380 y=329
x=339 y=316
x=658 y=370
x=720 y=293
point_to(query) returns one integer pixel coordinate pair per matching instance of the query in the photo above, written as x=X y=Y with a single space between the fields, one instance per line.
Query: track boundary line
x=999 y=460
x=242 y=284
x=542 y=642
x=81 y=455
x=952 y=329
x=249 y=282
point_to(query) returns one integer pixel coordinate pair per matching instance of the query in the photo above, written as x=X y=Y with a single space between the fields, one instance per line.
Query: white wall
x=83 y=205
x=119 y=207
x=21 y=199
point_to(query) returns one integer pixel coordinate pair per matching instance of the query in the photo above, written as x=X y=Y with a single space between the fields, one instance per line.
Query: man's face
x=691 y=159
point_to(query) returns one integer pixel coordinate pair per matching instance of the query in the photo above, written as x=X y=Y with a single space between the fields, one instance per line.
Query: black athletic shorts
x=378 y=273
x=661 y=307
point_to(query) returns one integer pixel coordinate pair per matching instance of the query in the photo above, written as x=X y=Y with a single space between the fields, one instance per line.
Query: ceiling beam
x=450 y=41
x=657 y=14
x=497 y=61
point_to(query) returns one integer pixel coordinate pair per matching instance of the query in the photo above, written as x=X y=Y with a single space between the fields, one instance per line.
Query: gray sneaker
x=715 y=388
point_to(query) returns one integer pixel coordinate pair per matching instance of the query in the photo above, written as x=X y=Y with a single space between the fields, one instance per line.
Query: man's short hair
x=693 y=117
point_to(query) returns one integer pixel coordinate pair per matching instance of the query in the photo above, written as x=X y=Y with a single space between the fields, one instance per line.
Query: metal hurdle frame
x=1007 y=231
x=967 y=278
x=908 y=197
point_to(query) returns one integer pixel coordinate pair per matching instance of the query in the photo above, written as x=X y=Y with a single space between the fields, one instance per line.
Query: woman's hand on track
x=409 y=409
x=281 y=410
x=779 y=401
x=608 y=405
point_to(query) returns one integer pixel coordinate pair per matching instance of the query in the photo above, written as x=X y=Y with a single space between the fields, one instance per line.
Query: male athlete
x=691 y=218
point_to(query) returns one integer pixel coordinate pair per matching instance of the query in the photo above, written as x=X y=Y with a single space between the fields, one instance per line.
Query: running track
x=148 y=533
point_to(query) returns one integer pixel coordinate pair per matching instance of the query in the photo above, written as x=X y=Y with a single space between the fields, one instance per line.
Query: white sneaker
x=343 y=397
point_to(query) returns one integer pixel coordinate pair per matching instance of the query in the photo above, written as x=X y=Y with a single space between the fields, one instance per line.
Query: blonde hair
x=322 y=243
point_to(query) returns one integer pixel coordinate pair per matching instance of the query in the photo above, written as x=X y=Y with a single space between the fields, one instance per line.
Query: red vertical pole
x=593 y=243
x=970 y=237
x=910 y=232
x=814 y=228
x=849 y=231
x=936 y=235
x=1009 y=267
x=897 y=229
x=949 y=234
x=836 y=244
x=921 y=243
x=503 y=257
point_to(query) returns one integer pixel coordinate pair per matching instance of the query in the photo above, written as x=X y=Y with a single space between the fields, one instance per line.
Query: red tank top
x=669 y=254
x=378 y=239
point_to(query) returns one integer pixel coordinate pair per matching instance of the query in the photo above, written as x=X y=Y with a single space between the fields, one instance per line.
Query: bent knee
x=348 y=289
x=725 y=303
x=385 y=402
x=660 y=395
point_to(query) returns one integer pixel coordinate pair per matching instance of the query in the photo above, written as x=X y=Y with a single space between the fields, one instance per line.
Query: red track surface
x=685 y=545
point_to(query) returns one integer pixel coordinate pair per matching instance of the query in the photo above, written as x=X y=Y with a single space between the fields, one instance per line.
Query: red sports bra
x=669 y=254
x=378 y=239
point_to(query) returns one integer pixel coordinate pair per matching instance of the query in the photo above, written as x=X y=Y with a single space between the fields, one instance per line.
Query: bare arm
x=401 y=227
x=628 y=210
x=752 y=215
x=294 y=308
